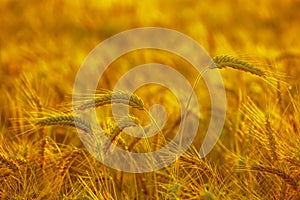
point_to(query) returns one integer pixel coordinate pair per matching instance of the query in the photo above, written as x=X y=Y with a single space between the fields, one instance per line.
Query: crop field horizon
x=50 y=148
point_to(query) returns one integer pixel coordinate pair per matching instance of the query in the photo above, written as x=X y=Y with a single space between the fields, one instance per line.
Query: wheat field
x=254 y=45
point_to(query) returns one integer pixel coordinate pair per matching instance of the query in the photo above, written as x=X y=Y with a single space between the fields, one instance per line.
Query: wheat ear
x=229 y=61
x=65 y=120
x=110 y=97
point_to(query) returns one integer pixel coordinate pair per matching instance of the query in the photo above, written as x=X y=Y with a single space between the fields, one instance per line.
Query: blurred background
x=49 y=40
x=42 y=37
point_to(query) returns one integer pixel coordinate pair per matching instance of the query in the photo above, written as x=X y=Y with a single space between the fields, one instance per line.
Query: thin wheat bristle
x=30 y=94
x=229 y=61
x=32 y=99
x=113 y=97
x=65 y=120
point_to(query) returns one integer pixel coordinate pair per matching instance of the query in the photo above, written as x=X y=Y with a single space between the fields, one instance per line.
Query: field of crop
x=254 y=45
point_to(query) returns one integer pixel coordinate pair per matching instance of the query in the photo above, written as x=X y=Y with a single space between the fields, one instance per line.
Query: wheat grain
x=65 y=120
x=228 y=61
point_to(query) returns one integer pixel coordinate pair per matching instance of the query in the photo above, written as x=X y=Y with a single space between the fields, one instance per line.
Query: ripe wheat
x=112 y=97
x=228 y=61
x=65 y=120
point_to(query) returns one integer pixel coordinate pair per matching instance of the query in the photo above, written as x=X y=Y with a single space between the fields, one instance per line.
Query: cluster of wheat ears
x=66 y=170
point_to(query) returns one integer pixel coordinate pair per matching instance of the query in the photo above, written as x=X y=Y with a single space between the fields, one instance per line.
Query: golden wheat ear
x=235 y=63
x=270 y=77
x=61 y=119
x=106 y=97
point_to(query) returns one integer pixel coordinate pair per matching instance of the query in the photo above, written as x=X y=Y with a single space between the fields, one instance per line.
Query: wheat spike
x=112 y=97
x=65 y=120
x=229 y=61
